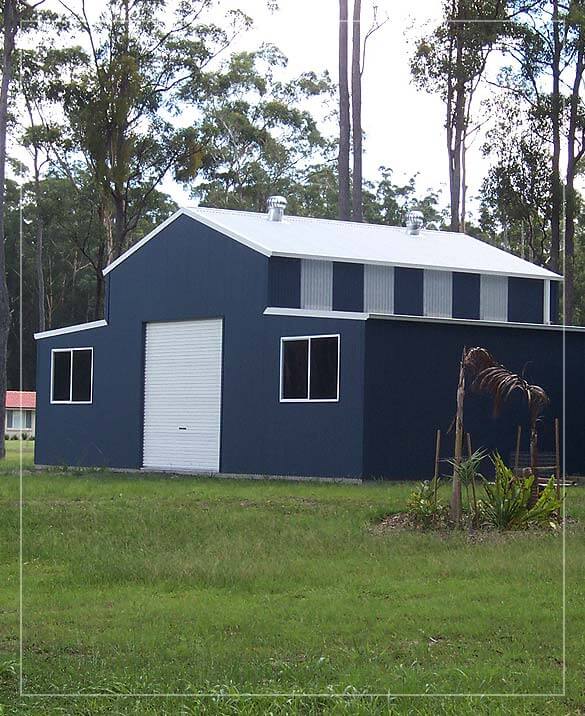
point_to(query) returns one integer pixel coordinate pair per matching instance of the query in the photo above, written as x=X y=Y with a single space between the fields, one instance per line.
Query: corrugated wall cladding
x=493 y=305
x=317 y=284
x=378 y=289
x=438 y=293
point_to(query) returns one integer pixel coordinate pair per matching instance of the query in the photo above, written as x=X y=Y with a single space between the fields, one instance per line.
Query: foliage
x=259 y=136
x=424 y=507
x=506 y=504
x=468 y=468
x=516 y=193
x=467 y=472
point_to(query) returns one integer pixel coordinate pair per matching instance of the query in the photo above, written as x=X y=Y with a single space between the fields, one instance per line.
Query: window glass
x=81 y=376
x=28 y=416
x=9 y=418
x=62 y=375
x=324 y=368
x=295 y=366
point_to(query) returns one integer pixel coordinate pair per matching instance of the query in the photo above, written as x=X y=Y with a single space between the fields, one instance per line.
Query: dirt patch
x=403 y=521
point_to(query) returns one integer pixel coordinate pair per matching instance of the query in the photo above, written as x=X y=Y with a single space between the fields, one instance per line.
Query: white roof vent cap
x=414 y=222
x=276 y=206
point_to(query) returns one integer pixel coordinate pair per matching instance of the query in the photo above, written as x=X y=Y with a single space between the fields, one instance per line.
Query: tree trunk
x=356 y=109
x=119 y=228
x=344 y=121
x=40 y=276
x=463 y=186
x=9 y=34
x=456 y=490
x=571 y=194
x=557 y=198
x=39 y=270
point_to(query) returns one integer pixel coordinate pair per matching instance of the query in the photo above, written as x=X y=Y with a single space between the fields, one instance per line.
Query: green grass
x=137 y=583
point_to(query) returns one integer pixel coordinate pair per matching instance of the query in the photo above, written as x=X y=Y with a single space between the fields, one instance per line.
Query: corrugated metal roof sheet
x=331 y=240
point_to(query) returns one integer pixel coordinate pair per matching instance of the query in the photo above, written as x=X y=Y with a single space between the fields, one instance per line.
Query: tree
x=344 y=118
x=14 y=12
x=516 y=193
x=575 y=150
x=547 y=76
x=358 y=58
x=259 y=137
x=452 y=62
x=119 y=99
x=356 y=112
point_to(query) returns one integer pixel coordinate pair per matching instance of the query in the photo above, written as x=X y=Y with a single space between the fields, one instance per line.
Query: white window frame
x=70 y=401
x=308 y=399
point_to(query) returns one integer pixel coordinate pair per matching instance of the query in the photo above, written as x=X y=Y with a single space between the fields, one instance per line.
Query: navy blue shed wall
x=466 y=295
x=190 y=271
x=555 y=287
x=525 y=300
x=408 y=291
x=284 y=282
x=348 y=286
x=411 y=381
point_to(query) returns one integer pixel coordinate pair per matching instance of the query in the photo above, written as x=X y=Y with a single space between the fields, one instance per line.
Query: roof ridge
x=320 y=219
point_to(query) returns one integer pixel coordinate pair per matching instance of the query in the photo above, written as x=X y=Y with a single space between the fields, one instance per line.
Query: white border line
x=97 y=324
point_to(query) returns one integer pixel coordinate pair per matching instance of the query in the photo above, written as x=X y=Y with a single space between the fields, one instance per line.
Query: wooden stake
x=437 y=457
x=558 y=458
x=517 y=458
x=473 y=493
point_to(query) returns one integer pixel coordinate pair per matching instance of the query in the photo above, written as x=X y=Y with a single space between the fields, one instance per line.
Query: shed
x=241 y=342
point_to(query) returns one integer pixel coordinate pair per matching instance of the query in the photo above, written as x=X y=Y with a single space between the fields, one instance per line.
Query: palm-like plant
x=486 y=375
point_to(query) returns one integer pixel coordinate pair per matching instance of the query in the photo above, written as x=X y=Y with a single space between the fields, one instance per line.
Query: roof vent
x=276 y=206
x=414 y=222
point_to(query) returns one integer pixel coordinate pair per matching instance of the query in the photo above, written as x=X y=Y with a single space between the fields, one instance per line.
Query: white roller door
x=182 y=395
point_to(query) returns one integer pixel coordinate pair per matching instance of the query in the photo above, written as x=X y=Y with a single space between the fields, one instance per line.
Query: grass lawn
x=137 y=583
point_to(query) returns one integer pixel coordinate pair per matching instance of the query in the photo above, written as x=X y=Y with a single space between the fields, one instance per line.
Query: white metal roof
x=304 y=237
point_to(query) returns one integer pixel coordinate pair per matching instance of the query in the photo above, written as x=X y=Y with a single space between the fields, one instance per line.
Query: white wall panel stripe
x=378 y=288
x=182 y=395
x=317 y=284
x=438 y=293
x=493 y=303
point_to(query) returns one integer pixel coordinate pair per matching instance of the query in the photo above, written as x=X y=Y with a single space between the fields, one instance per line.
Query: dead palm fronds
x=489 y=376
x=486 y=375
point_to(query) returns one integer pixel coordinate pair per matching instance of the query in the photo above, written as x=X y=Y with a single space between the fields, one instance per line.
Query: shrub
x=468 y=473
x=424 y=508
x=506 y=501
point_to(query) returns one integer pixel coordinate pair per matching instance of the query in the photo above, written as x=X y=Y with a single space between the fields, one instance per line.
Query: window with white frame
x=19 y=419
x=309 y=369
x=71 y=375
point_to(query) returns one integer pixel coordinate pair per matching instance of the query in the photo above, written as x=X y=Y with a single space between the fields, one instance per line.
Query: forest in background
x=95 y=120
